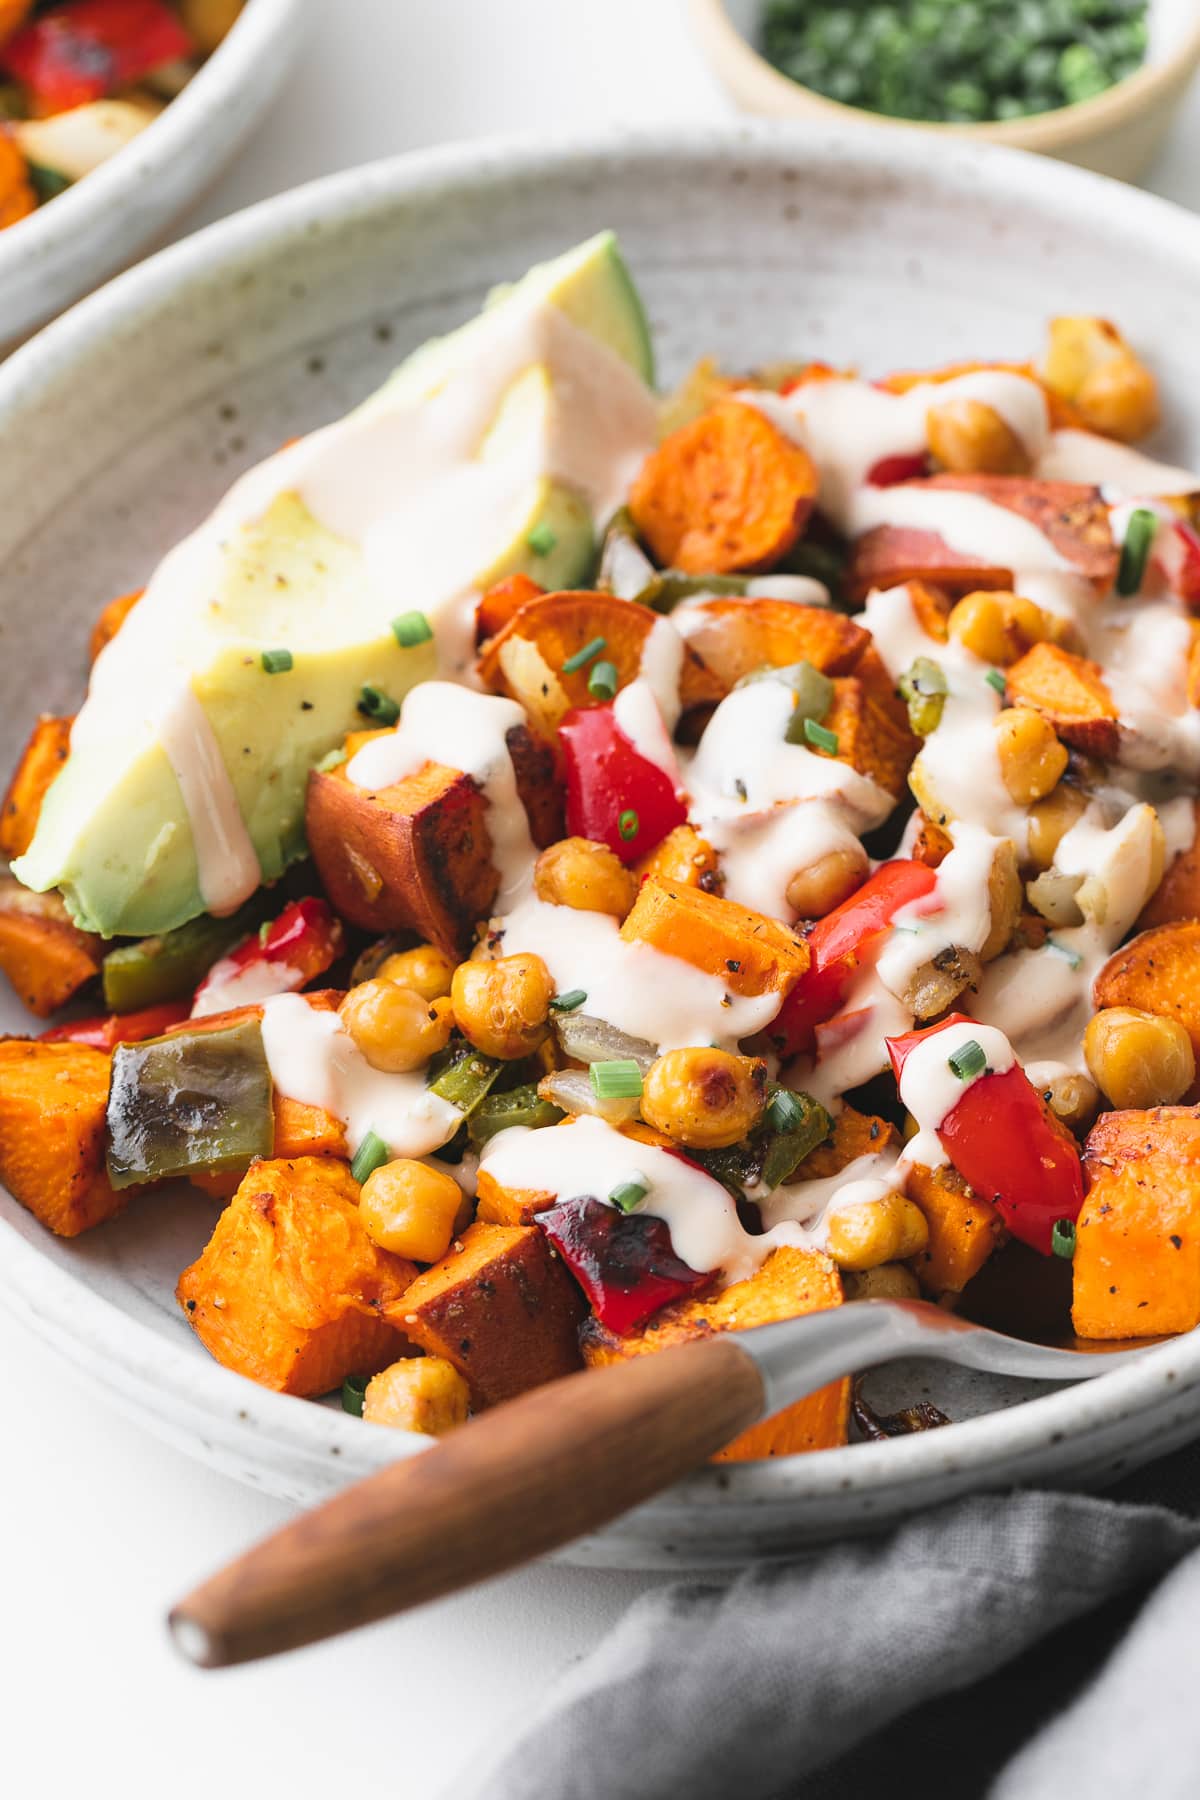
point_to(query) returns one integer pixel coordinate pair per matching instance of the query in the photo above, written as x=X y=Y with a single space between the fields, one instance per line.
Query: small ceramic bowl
x=95 y=228
x=1117 y=133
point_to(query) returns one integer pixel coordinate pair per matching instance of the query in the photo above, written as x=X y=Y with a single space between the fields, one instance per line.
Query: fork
x=560 y=1461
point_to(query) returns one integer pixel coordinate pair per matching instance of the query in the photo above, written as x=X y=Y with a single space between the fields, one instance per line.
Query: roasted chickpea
x=888 y=1281
x=1138 y=1059
x=869 y=1232
x=683 y=857
x=587 y=876
x=705 y=1098
x=396 y=1028
x=1050 y=820
x=970 y=438
x=1006 y=896
x=1120 y=399
x=816 y=890
x=1074 y=1099
x=1000 y=627
x=425 y=969
x=418 y=1393
x=1032 y=760
x=409 y=1208
x=503 y=1006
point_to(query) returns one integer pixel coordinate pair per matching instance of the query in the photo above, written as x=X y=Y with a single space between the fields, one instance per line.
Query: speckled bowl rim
x=227 y=79
x=1060 y=129
x=187 y=1398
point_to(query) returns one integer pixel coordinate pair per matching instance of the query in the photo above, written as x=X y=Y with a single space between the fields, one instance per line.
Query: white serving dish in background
x=83 y=236
x=134 y=411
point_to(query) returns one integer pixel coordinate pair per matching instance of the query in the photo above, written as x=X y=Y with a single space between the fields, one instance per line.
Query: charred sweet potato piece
x=867 y=738
x=542 y=792
x=501 y=1307
x=871 y=672
x=1136 y=1134
x=750 y=952
x=734 y=637
x=502 y=602
x=1137 y=1240
x=290 y=1290
x=790 y=1282
x=890 y=556
x=963 y=1229
x=44 y=955
x=1069 y=691
x=528 y=653
x=854 y=1134
x=682 y=856
x=727 y=491
x=111 y=620
x=1158 y=971
x=497 y=1205
x=300 y=1130
x=17 y=198
x=931 y=845
x=52 y=1105
x=1177 y=895
x=43 y=756
x=933 y=607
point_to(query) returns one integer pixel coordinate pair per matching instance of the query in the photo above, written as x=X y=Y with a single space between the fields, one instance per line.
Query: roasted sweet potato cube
x=52 y=1105
x=1137 y=1250
x=750 y=952
x=867 y=738
x=1158 y=971
x=45 y=956
x=497 y=1205
x=1177 y=895
x=43 y=756
x=963 y=1229
x=501 y=1307
x=931 y=845
x=790 y=1282
x=290 y=1290
x=933 y=607
x=734 y=637
x=1135 y=1135
x=1069 y=691
x=889 y=556
x=501 y=602
x=854 y=1134
x=111 y=620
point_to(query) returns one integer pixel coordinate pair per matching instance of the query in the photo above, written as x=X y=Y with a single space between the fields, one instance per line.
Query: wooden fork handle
x=513 y=1484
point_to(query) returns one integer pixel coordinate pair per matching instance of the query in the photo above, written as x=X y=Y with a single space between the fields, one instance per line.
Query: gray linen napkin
x=780 y=1683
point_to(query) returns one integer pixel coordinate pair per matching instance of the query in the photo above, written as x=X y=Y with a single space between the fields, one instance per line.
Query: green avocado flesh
x=115 y=835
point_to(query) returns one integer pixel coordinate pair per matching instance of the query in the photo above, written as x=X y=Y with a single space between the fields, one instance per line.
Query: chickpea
x=418 y=1393
x=1138 y=1059
x=578 y=873
x=396 y=1028
x=1120 y=399
x=1050 y=819
x=409 y=1208
x=869 y=1232
x=503 y=1006
x=425 y=969
x=1074 y=1099
x=705 y=1098
x=683 y=857
x=1000 y=627
x=970 y=438
x=1032 y=761
x=816 y=890
x=1006 y=897
x=888 y=1281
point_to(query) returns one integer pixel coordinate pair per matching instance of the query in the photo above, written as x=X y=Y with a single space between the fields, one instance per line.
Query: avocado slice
x=276 y=568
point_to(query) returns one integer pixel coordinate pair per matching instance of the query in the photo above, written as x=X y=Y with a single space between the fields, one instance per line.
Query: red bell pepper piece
x=841 y=942
x=614 y=795
x=890 y=470
x=1182 y=563
x=623 y=1261
x=106 y=1032
x=1002 y=1141
x=89 y=48
x=287 y=954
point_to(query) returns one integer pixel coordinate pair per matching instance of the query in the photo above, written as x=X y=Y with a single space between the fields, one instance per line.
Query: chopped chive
x=371 y=1154
x=1062 y=1238
x=354 y=1390
x=541 y=539
x=627 y=1194
x=821 y=736
x=276 y=662
x=628 y=824
x=784 y=1111
x=570 y=1001
x=968 y=1061
x=1065 y=950
x=264 y=932
x=1135 y=551
x=411 y=628
x=617 y=1080
x=377 y=705
x=995 y=679
x=603 y=681
x=582 y=657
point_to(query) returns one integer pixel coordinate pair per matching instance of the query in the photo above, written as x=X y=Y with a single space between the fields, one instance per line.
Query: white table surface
x=102 y=1526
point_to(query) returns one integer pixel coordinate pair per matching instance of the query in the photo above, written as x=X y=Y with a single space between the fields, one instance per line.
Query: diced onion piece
x=572 y=1090
x=591 y=1040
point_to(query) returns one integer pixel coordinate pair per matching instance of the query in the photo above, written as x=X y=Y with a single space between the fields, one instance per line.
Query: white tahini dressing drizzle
x=313 y=1059
x=227 y=866
x=812 y=1204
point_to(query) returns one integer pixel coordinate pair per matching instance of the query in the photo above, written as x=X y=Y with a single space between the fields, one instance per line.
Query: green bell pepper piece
x=189 y=1101
x=171 y=967
x=463 y=1076
x=519 y=1106
x=767 y=1158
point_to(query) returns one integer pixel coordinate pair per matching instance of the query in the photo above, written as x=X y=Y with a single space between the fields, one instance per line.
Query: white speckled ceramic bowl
x=64 y=249
x=133 y=412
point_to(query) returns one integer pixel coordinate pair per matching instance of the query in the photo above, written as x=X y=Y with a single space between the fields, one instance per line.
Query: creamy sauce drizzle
x=227 y=866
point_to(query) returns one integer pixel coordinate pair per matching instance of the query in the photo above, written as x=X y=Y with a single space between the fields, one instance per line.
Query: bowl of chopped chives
x=1094 y=82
